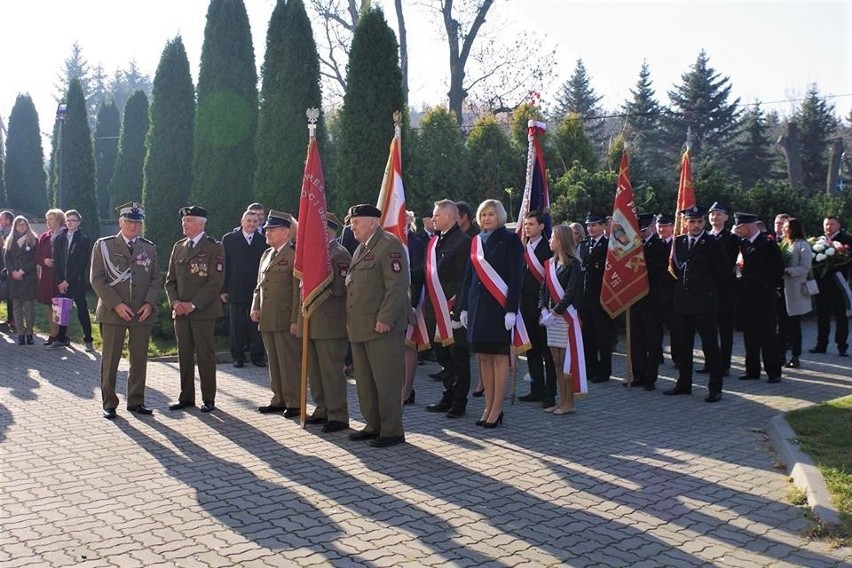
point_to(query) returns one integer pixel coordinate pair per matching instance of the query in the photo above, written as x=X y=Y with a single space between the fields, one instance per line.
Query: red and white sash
x=575 y=355
x=499 y=290
x=417 y=336
x=440 y=305
x=535 y=267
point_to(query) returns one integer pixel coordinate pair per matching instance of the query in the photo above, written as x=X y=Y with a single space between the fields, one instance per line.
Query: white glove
x=509 y=321
x=547 y=319
x=543 y=314
x=455 y=324
x=463 y=318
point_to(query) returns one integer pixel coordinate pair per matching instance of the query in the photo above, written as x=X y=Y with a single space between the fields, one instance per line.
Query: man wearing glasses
x=71 y=253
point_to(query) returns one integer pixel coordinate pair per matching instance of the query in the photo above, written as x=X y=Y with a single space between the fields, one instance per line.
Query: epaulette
x=109 y=238
x=212 y=240
x=144 y=240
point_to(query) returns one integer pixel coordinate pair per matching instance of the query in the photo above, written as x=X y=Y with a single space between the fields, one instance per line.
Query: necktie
x=191 y=245
x=691 y=242
x=130 y=244
x=249 y=240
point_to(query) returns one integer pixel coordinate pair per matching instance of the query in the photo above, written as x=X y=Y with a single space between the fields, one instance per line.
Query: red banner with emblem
x=312 y=263
x=685 y=200
x=625 y=278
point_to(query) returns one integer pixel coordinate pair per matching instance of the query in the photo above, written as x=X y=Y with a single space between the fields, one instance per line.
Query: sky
x=771 y=50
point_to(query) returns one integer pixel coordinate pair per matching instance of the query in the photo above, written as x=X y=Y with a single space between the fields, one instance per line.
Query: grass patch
x=825 y=433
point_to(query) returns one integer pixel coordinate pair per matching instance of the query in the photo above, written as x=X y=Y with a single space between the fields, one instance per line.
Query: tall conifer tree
x=577 y=96
x=26 y=183
x=291 y=85
x=226 y=117
x=168 y=163
x=495 y=164
x=753 y=156
x=439 y=162
x=373 y=93
x=74 y=185
x=643 y=115
x=107 y=130
x=126 y=184
x=817 y=125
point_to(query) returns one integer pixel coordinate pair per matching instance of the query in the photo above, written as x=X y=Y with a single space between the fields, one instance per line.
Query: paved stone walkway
x=633 y=479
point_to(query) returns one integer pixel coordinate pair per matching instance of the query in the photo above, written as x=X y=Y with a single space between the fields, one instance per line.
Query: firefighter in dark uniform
x=763 y=268
x=699 y=265
x=598 y=327
x=125 y=275
x=193 y=282
x=378 y=312
x=646 y=317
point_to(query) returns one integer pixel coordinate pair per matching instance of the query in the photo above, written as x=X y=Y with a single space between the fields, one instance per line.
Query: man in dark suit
x=193 y=283
x=377 y=312
x=451 y=258
x=598 y=327
x=763 y=268
x=665 y=230
x=71 y=253
x=719 y=215
x=699 y=265
x=830 y=301
x=646 y=321
x=539 y=358
x=243 y=248
x=465 y=220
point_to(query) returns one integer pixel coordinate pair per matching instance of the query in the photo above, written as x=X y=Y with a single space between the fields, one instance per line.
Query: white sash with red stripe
x=575 y=356
x=443 y=329
x=417 y=336
x=535 y=267
x=499 y=290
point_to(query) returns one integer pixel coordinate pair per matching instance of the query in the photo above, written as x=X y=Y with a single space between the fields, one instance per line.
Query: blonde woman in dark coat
x=20 y=260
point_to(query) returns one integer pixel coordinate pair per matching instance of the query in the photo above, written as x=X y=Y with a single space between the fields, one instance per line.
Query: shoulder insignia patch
x=396 y=266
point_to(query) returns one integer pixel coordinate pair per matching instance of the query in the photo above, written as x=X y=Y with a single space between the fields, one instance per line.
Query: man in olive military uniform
x=193 y=282
x=328 y=343
x=699 y=265
x=275 y=307
x=125 y=275
x=377 y=311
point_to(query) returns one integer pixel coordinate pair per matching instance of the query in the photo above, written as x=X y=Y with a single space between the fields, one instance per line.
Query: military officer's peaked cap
x=332 y=221
x=665 y=219
x=594 y=218
x=132 y=211
x=193 y=211
x=275 y=219
x=364 y=210
x=694 y=212
x=645 y=219
x=744 y=218
x=719 y=207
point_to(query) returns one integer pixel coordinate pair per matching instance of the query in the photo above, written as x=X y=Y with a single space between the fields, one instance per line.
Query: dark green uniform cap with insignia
x=132 y=211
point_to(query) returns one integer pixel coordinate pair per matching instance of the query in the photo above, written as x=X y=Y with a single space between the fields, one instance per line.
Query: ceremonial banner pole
x=312 y=263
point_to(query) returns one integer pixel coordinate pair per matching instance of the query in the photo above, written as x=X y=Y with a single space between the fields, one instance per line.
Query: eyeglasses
x=72 y=220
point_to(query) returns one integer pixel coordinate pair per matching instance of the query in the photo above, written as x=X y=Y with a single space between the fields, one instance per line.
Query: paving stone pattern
x=633 y=479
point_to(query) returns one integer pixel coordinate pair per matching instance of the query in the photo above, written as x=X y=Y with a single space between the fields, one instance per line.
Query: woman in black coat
x=489 y=322
x=20 y=259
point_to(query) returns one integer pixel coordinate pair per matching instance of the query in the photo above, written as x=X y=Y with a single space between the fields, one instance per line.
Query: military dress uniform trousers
x=284 y=352
x=684 y=335
x=195 y=343
x=379 y=369
x=328 y=383
x=113 y=342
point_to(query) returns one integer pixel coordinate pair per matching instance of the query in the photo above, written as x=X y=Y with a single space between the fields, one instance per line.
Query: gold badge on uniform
x=198 y=265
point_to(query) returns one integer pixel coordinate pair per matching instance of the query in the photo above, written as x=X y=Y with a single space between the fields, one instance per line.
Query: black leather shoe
x=180 y=405
x=773 y=380
x=713 y=397
x=109 y=413
x=140 y=409
x=598 y=379
x=842 y=352
x=455 y=412
x=816 y=349
x=259 y=363
x=479 y=393
x=239 y=364
x=385 y=441
x=703 y=371
x=292 y=413
x=315 y=420
x=649 y=387
x=531 y=397
x=208 y=407
x=442 y=406
x=792 y=363
x=676 y=391
x=334 y=426
x=271 y=409
x=362 y=435
x=748 y=378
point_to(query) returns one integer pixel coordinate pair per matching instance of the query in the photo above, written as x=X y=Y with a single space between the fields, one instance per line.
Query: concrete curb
x=801 y=468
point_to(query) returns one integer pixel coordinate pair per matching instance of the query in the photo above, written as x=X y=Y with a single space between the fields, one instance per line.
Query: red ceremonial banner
x=392 y=195
x=312 y=263
x=685 y=200
x=625 y=273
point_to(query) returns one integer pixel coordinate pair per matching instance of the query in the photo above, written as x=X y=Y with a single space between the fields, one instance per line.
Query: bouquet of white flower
x=828 y=255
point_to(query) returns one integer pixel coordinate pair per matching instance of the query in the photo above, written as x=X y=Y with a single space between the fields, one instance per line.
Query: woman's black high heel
x=495 y=423
x=479 y=422
x=478 y=393
x=410 y=399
